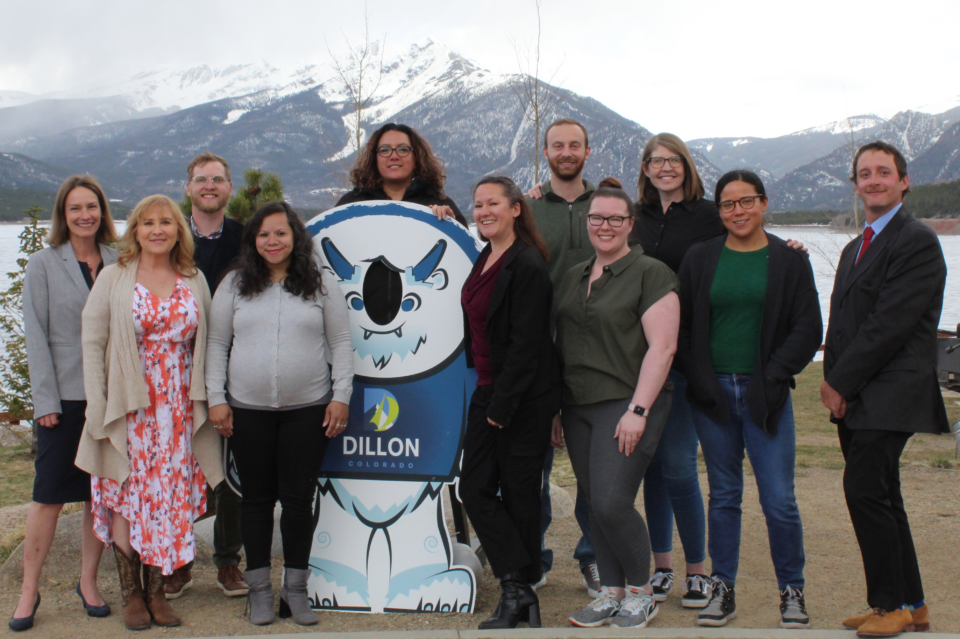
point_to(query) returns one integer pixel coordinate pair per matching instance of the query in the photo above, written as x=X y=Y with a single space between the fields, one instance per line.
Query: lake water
x=824 y=245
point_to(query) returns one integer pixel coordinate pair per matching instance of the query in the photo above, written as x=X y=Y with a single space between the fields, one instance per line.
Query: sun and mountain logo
x=380 y=409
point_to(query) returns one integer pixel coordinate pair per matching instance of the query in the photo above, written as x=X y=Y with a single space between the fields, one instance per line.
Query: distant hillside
x=935 y=200
x=14 y=201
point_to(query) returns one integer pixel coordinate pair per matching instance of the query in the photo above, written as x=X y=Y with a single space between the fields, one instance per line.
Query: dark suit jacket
x=881 y=348
x=523 y=358
x=790 y=331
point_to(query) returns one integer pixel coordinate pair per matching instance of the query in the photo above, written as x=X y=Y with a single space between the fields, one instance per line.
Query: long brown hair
x=523 y=225
x=692 y=183
x=59 y=232
x=427 y=166
x=181 y=255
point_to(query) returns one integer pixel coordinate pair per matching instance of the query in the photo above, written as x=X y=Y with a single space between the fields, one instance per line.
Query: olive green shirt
x=563 y=226
x=600 y=338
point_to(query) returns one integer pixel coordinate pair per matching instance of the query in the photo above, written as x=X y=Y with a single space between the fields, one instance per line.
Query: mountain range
x=138 y=134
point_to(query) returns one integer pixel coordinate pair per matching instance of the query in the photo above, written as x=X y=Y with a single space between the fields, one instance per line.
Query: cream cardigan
x=114 y=382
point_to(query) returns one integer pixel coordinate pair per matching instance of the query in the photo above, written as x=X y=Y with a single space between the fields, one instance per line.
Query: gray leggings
x=611 y=480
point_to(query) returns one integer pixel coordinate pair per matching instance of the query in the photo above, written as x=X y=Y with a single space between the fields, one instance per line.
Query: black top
x=523 y=360
x=667 y=237
x=790 y=331
x=419 y=192
x=214 y=257
x=881 y=348
x=85 y=270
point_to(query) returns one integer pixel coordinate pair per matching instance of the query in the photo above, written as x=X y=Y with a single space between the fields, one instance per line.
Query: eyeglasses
x=657 y=162
x=200 y=180
x=746 y=203
x=386 y=151
x=615 y=221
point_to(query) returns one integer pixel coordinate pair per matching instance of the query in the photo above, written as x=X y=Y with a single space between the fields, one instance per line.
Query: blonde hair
x=181 y=255
x=60 y=232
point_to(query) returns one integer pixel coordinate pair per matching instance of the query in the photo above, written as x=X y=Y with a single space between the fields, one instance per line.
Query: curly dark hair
x=428 y=167
x=253 y=275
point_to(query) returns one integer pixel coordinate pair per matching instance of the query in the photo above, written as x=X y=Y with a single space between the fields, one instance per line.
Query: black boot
x=518 y=602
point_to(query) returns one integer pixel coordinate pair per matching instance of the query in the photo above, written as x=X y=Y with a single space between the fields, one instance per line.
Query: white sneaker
x=662 y=583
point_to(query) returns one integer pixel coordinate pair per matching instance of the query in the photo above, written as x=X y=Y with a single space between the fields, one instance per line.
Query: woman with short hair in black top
x=672 y=216
x=750 y=321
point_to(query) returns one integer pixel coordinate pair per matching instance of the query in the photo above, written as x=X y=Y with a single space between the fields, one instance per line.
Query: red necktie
x=867 y=236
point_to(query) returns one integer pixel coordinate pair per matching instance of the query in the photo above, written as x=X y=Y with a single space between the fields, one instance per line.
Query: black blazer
x=881 y=349
x=523 y=358
x=214 y=257
x=790 y=331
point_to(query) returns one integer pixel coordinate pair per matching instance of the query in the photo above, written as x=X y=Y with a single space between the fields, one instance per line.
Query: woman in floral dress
x=144 y=339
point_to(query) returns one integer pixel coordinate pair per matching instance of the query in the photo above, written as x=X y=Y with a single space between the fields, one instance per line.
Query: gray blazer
x=54 y=294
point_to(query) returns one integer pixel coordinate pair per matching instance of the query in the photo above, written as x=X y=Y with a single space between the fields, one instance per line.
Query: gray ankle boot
x=293 y=597
x=260 y=596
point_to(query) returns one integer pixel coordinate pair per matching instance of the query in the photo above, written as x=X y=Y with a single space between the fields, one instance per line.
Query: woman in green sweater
x=750 y=321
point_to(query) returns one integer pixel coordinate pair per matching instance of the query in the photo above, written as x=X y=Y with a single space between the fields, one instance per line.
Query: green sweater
x=563 y=226
x=736 y=309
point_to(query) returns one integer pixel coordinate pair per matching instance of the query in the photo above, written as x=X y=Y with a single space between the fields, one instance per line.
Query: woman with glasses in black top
x=398 y=164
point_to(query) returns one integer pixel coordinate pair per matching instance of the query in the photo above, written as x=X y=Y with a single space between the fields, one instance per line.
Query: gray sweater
x=271 y=351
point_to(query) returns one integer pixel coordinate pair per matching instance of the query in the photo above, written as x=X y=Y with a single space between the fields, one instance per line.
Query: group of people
x=633 y=333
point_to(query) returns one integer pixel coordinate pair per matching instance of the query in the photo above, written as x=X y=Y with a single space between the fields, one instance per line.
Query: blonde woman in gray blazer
x=55 y=290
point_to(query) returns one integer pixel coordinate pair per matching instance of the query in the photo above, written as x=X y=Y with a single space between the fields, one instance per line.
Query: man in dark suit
x=216 y=240
x=880 y=372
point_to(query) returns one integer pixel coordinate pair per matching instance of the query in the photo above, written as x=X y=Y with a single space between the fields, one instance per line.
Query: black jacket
x=881 y=349
x=214 y=257
x=668 y=236
x=523 y=359
x=419 y=192
x=790 y=331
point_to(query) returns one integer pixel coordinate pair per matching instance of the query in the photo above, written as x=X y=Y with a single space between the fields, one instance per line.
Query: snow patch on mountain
x=845 y=126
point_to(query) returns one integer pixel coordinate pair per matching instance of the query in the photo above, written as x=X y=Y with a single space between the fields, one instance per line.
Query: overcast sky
x=698 y=68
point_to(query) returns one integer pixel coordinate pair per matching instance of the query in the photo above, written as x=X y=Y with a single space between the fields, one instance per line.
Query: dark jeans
x=583 y=553
x=500 y=483
x=772 y=458
x=871 y=483
x=278 y=455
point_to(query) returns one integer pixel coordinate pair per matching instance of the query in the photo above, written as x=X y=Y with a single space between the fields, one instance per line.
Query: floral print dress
x=165 y=491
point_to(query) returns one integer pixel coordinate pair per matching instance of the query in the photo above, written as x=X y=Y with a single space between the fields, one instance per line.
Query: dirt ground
x=834 y=574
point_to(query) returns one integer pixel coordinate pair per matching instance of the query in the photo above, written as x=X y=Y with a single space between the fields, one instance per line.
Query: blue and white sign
x=381 y=543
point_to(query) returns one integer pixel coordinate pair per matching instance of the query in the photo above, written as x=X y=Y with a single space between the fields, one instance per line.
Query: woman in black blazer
x=506 y=303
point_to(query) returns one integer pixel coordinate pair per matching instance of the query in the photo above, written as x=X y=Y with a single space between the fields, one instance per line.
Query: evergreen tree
x=259 y=188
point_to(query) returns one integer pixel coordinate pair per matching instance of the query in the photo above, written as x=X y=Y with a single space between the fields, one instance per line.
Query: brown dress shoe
x=174 y=585
x=886 y=624
x=921 y=619
x=135 y=614
x=156 y=601
x=230 y=581
x=854 y=623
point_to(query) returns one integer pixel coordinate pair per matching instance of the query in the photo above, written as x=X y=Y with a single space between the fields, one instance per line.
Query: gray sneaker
x=591 y=579
x=793 y=610
x=597 y=613
x=721 y=608
x=636 y=610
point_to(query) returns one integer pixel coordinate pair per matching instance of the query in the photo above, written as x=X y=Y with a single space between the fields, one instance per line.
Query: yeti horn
x=428 y=264
x=344 y=269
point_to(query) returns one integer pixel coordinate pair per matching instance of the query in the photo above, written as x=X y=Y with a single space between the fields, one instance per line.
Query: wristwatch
x=639 y=410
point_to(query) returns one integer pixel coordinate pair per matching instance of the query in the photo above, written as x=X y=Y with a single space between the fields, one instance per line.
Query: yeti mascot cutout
x=381 y=543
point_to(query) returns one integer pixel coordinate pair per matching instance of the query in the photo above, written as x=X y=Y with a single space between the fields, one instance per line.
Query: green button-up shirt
x=600 y=337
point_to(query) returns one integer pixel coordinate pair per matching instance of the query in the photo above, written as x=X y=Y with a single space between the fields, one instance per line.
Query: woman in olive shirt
x=617 y=318
x=750 y=322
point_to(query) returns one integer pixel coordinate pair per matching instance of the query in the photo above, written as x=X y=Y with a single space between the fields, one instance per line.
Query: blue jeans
x=671 y=487
x=584 y=552
x=772 y=459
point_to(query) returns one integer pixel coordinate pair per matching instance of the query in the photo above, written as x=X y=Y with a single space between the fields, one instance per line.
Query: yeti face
x=405 y=319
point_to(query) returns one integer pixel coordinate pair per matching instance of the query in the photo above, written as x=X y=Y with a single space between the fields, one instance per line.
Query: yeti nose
x=382 y=293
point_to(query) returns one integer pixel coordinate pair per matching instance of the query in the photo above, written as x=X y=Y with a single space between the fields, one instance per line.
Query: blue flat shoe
x=24 y=623
x=93 y=611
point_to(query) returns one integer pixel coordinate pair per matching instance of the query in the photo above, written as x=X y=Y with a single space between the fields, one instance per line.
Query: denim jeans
x=671 y=487
x=772 y=459
x=583 y=553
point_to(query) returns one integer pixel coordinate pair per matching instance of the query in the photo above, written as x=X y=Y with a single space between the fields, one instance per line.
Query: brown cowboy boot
x=157 y=603
x=135 y=614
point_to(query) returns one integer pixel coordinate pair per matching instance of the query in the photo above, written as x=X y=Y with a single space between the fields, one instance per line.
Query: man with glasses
x=559 y=208
x=880 y=380
x=216 y=242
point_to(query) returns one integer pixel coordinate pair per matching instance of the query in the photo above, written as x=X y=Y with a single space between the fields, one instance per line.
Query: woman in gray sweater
x=276 y=322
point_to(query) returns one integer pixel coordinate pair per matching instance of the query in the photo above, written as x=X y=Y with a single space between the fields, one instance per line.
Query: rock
x=13 y=519
x=63 y=563
x=561 y=502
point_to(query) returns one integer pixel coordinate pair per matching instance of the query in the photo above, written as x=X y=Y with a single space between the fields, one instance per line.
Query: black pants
x=278 y=455
x=871 y=483
x=227 y=540
x=508 y=461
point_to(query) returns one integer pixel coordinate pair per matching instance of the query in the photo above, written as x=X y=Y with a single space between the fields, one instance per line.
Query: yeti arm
x=528 y=306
